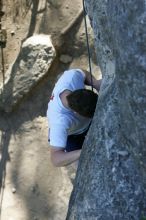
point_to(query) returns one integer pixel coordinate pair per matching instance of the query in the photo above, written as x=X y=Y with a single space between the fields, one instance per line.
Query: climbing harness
x=87 y=41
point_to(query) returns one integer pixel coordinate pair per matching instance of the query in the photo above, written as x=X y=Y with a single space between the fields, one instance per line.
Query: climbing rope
x=87 y=41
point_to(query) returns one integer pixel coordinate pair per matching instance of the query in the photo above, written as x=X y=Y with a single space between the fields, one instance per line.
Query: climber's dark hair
x=83 y=101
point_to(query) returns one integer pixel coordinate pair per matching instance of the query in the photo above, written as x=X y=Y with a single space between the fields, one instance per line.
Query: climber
x=70 y=111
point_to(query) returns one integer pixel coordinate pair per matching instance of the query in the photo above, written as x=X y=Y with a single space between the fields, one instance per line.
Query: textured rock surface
x=34 y=60
x=64 y=58
x=111 y=180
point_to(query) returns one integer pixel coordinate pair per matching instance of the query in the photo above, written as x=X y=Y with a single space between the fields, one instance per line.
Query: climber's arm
x=96 y=83
x=61 y=158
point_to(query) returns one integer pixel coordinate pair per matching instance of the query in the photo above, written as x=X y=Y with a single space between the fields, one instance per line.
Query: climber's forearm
x=97 y=84
x=92 y=80
x=61 y=158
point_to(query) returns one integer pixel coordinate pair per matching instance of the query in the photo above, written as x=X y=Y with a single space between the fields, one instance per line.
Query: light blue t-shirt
x=62 y=121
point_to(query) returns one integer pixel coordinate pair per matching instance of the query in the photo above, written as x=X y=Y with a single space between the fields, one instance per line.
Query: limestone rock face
x=31 y=65
x=111 y=179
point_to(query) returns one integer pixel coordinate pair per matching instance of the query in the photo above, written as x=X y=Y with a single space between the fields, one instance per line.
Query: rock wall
x=111 y=179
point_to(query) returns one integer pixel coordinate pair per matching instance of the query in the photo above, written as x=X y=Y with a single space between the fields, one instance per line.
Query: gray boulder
x=32 y=64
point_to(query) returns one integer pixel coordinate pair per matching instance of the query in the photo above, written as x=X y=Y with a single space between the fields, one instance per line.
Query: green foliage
x=143 y=218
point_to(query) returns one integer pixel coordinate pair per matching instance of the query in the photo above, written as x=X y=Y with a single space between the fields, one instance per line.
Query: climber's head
x=83 y=102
